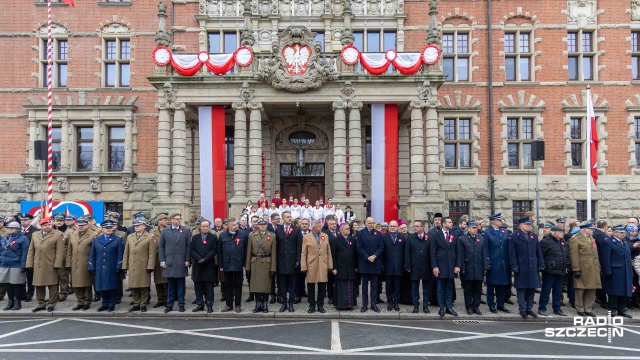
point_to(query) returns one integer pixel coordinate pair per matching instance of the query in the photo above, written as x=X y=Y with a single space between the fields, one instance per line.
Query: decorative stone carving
x=321 y=143
x=246 y=92
x=296 y=66
x=229 y=8
x=94 y=184
x=337 y=6
x=285 y=7
x=302 y=8
x=162 y=37
x=213 y=8
x=30 y=185
x=202 y=7
x=317 y=7
x=348 y=90
x=366 y=183
x=635 y=10
x=357 y=7
x=63 y=184
x=389 y=7
x=433 y=34
x=115 y=28
x=168 y=96
x=373 y=7
x=127 y=184
x=425 y=91
x=582 y=12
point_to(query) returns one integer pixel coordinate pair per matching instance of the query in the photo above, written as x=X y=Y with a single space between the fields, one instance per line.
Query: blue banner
x=77 y=208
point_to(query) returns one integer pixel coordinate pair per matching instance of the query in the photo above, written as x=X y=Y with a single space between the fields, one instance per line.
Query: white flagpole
x=588 y=150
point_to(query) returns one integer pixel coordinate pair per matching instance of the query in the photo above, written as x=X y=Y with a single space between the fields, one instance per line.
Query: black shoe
x=283 y=308
x=441 y=313
x=508 y=301
x=291 y=309
x=250 y=298
x=128 y=289
x=96 y=298
x=9 y=306
x=2 y=298
x=111 y=308
x=523 y=314
x=590 y=314
x=375 y=308
x=167 y=309
x=102 y=308
x=389 y=307
x=425 y=310
x=265 y=307
x=39 y=308
x=452 y=312
x=85 y=307
x=321 y=310
x=581 y=313
x=482 y=302
x=134 y=308
x=198 y=308
x=559 y=313
x=209 y=309
x=312 y=309
x=493 y=310
x=78 y=307
x=573 y=304
x=363 y=309
x=415 y=309
x=132 y=303
x=477 y=311
x=143 y=309
x=158 y=304
x=62 y=298
x=258 y=307
x=50 y=309
x=623 y=314
x=396 y=307
x=181 y=308
x=280 y=301
x=563 y=304
x=223 y=299
x=469 y=312
x=17 y=305
x=273 y=300
x=28 y=298
x=297 y=300
x=504 y=310
x=532 y=313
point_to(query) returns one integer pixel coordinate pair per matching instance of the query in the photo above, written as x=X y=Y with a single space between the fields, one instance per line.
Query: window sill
x=114 y=88
x=520 y=171
x=127 y=3
x=584 y=82
x=79 y=174
x=635 y=82
x=56 y=4
x=459 y=83
x=459 y=172
x=521 y=83
x=577 y=172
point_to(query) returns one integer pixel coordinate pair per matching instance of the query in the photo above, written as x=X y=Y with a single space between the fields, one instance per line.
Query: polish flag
x=384 y=162
x=593 y=140
x=213 y=170
x=69 y=2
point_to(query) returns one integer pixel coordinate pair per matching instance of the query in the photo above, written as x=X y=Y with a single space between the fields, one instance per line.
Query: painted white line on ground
x=625 y=329
x=222 y=337
x=29 y=328
x=259 y=325
x=81 y=339
x=570 y=343
x=413 y=327
x=336 y=345
x=17 y=321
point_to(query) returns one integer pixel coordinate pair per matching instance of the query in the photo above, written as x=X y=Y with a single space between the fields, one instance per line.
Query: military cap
x=561 y=221
x=619 y=228
x=472 y=224
x=24 y=216
x=586 y=225
x=13 y=225
x=82 y=222
x=114 y=215
x=557 y=228
x=525 y=220
x=632 y=227
x=45 y=220
x=262 y=222
x=139 y=222
x=58 y=216
x=497 y=216
x=70 y=217
x=548 y=224
x=107 y=223
x=529 y=213
x=139 y=215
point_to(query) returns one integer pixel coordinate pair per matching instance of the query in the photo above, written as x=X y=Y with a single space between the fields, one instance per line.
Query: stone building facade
x=128 y=128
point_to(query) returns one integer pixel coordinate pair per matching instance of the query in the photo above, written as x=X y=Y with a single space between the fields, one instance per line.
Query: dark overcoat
x=525 y=258
x=474 y=257
x=369 y=243
x=496 y=244
x=616 y=267
x=345 y=258
x=289 y=248
x=445 y=254
x=105 y=260
x=204 y=247
x=173 y=250
x=393 y=255
x=232 y=250
x=417 y=257
x=556 y=255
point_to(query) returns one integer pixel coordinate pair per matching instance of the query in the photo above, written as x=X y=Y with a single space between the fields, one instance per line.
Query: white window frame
x=580 y=54
x=457 y=55
x=517 y=54
x=118 y=61
x=42 y=68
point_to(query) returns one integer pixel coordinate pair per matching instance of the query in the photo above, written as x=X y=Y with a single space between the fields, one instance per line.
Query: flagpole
x=588 y=150
x=49 y=115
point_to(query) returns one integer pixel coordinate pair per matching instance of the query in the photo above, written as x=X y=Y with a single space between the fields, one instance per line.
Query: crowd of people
x=326 y=256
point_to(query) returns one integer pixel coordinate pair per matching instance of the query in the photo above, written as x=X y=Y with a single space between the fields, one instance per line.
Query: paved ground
x=64 y=309
x=178 y=338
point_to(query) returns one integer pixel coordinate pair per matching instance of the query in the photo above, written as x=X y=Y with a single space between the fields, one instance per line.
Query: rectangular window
x=60 y=56
x=214 y=43
x=319 y=39
x=117 y=62
x=635 y=55
x=457 y=209
x=371 y=40
x=456 y=52
x=457 y=143
x=56 y=147
x=582 y=54
x=367 y=146
x=581 y=210
x=116 y=148
x=578 y=141
x=230 y=42
x=229 y=138
x=114 y=207
x=520 y=133
x=84 y=148
x=520 y=207
x=518 y=56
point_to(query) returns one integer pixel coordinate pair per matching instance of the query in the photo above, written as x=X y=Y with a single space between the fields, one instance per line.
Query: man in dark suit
x=173 y=253
x=332 y=232
x=446 y=263
x=370 y=249
x=417 y=261
x=601 y=237
x=289 y=247
x=232 y=252
x=618 y=272
x=393 y=259
x=203 y=248
x=28 y=230
x=474 y=266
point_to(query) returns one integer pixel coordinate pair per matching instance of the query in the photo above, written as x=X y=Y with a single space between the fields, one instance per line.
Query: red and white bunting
x=378 y=63
x=190 y=64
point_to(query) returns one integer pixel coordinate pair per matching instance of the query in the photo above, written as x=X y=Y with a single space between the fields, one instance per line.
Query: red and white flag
x=384 y=162
x=69 y=2
x=593 y=140
x=213 y=169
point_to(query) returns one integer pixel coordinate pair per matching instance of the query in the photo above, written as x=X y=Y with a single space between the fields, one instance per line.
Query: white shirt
x=306 y=212
x=340 y=216
x=317 y=213
x=296 y=211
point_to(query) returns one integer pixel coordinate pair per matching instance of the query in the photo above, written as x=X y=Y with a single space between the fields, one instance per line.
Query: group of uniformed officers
x=68 y=255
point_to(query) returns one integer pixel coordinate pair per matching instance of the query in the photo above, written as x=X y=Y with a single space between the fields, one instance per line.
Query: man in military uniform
x=63 y=274
x=77 y=263
x=617 y=270
x=119 y=231
x=139 y=260
x=137 y=216
x=526 y=261
x=498 y=272
x=474 y=265
x=159 y=280
x=261 y=262
x=107 y=250
x=28 y=230
x=585 y=264
x=46 y=256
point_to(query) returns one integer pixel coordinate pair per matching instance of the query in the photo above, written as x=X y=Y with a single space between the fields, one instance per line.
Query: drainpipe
x=490 y=96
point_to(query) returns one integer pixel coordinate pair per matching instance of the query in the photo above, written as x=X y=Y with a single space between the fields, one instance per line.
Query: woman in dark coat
x=345 y=262
x=203 y=248
x=13 y=262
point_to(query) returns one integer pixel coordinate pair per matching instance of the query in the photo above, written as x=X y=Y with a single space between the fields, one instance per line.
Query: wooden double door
x=311 y=186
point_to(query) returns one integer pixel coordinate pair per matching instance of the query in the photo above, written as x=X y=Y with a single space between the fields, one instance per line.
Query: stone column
x=179 y=155
x=433 y=151
x=416 y=147
x=33 y=136
x=97 y=144
x=255 y=150
x=240 y=151
x=65 y=143
x=164 y=150
x=128 y=142
x=339 y=150
x=355 y=149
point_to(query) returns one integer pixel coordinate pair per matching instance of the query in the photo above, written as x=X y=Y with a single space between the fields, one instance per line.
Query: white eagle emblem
x=297 y=58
